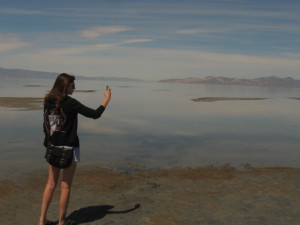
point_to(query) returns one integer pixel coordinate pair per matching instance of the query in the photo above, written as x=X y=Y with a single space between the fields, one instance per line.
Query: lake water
x=156 y=125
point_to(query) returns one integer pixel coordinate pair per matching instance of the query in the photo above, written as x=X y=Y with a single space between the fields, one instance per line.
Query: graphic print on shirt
x=54 y=121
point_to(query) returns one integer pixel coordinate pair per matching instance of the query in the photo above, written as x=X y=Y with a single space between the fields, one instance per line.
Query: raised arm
x=73 y=104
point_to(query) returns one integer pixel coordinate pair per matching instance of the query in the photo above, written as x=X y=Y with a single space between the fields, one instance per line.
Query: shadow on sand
x=93 y=213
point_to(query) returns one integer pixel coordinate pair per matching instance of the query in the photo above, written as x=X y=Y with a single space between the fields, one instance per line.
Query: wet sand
x=198 y=196
x=214 y=99
x=85 y=91
x=27 y=103
x=294 y=98
x=21 y=103
x=34 y=85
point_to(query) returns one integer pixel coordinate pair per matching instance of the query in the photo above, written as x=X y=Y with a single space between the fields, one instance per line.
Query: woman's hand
x=107 y=95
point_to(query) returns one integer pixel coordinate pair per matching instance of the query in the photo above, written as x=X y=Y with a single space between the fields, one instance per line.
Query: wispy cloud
x=258 y=60
x=135 y=41
x=234 y=37
x=213 y=28
x=16 y=11
x=203 y=31
x=11 y=42
x=95 y=32
x=86 y=48
x=80 y=49
x=194 y=31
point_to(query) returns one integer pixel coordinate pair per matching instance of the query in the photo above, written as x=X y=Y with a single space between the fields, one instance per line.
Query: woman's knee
x=65 y=186
x=51 y=186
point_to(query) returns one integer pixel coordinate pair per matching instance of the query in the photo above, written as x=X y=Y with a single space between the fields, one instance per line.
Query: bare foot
x=46 y=222
x=67 y=222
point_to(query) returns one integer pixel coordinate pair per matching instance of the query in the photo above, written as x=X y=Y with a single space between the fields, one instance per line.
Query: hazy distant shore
x=30 y=74
x=271 y=81
x=179 y=196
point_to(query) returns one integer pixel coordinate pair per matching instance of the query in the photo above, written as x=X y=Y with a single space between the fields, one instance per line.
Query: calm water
x=157 y=125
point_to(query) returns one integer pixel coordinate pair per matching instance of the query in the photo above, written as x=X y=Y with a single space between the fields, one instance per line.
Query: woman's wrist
x=105 y=101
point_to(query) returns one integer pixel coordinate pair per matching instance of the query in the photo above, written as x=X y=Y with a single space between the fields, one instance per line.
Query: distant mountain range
x=19 y=73
x=29 y=74
x=271 y=81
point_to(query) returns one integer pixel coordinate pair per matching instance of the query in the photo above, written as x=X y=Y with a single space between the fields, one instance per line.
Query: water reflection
x=157 y=125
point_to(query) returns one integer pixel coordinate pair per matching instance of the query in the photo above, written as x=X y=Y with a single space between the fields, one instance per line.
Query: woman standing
x=63 y=133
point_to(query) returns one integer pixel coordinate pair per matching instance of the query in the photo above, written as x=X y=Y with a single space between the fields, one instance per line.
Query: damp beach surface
x=178 y=196
x=21 y=103
x=28 y=103
x=214 y=99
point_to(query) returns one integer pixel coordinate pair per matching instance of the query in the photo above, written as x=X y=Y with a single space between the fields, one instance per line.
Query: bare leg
x=53 y=175
x=66 y=184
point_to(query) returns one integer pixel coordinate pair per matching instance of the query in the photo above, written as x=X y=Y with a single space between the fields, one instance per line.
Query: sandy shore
x=199 y=196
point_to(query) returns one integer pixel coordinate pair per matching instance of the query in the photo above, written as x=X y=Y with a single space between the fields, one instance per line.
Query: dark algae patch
x=21 y=103
x=214 y=99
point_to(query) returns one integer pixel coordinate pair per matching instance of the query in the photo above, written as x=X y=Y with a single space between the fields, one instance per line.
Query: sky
x=152 y=40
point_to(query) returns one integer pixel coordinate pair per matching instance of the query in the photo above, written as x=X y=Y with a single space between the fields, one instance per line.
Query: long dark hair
x=60 y=89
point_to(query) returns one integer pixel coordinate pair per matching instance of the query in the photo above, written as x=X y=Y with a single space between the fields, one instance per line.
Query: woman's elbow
x=97 y=116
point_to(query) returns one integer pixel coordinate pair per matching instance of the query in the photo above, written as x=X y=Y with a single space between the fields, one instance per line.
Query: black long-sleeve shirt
x=68 y=135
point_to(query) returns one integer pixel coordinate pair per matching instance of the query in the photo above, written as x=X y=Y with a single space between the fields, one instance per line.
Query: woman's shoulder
x=67 y=99
x=49 y=103
x=70 y=102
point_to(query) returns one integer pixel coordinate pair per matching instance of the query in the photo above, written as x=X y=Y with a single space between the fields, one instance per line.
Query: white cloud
x=236 y=27
x=95 y=32
x=15 y=11
x=206 y=32
x=135 y=41
x=10 y=42
x=194 y=31
x=238 y=58
x=80 y=49
x=77 y=50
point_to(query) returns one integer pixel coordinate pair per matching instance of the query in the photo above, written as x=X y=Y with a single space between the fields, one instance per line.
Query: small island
x=27 y=103
x=214 y=99
x=85 y=91
x=294 y=98
x=21 y=103
x=34 y=85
